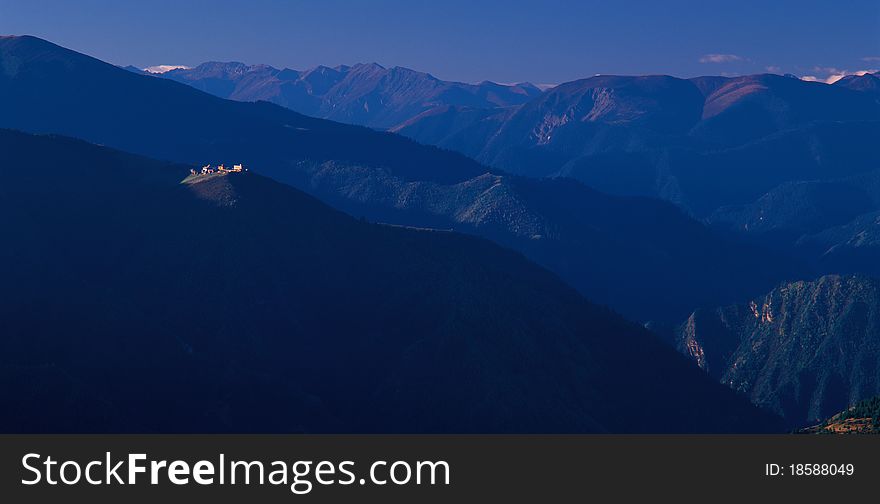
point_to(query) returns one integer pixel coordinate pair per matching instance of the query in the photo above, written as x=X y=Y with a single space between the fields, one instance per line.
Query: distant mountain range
x=139 y=299
x=702 y=143
x=767 y=180
x=363 y=94
x=805 y=350
x=642 y=257
x=648 y=135
x=783 y=163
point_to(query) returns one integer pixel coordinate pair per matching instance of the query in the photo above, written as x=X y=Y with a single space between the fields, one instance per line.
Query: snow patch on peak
x=160 y=69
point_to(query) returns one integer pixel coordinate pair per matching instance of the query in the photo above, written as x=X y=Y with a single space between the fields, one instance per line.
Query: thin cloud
x=720 y=58
x=870 y=59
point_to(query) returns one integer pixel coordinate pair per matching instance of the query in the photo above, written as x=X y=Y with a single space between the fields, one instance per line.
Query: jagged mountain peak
x=365 y=93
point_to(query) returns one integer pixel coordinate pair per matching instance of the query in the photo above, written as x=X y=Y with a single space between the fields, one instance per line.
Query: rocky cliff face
x=805 y=350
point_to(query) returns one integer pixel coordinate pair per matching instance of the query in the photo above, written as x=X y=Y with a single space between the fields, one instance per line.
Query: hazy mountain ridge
x=364 y=94
x=799 y=207
x=232 y=303
x=656 y=135
x=830 y=223
x=623 y=252
x=805 y=350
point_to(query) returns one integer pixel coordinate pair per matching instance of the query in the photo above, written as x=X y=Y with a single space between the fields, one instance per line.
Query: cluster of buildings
x=208 y=169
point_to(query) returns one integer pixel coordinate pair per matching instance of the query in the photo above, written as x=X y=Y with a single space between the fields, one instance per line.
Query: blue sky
x=546 y=41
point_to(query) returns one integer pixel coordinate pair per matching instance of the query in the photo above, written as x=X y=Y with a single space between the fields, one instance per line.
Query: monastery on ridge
x=208 y=169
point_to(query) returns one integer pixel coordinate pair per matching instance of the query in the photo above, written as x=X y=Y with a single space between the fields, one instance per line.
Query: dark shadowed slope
x=853 y=247
x=805 y=350
x=643 y=258
x=832 y=224
x=365 y=94
x=135 y=302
